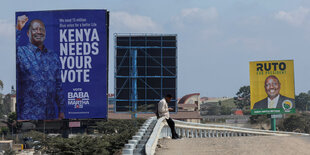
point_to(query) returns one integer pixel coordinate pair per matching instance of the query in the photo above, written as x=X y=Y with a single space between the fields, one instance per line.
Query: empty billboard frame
x=145 y=71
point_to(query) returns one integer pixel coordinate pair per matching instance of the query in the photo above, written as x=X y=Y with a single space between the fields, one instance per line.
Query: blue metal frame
x=133 y=73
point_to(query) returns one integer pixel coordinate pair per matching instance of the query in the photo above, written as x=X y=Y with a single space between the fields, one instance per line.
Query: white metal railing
x=197 y=130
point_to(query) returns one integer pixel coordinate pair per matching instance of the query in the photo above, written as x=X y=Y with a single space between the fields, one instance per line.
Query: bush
x=77 y=145
x=225 y=110
x=258 y=119
x=214 y=110
x=114 y=134
x=118 y=132
x=296 y=123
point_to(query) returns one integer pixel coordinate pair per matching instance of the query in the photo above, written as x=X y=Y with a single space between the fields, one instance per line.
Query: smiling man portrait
x=274 y=99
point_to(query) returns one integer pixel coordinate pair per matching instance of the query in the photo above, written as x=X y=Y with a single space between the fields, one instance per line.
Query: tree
x=1 y=85
x=77 y=145
x=260 y=120
x=302 y=101
x=225 y=110
x=214 y=110
x=294 y=123
x=118 y=132
x=113 y=135
x=1 y=96
x=12 y=122
x=7 y=101
x=242 y=100
x=220 y=103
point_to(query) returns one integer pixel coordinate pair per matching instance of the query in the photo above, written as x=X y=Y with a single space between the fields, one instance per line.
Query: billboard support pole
x=133 y=73
x=273 y=124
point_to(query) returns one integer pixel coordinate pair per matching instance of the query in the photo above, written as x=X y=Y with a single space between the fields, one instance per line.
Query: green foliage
x=77 y=145
x=302 y=101
x=12 y=122
x=293 y=122
x=1 y=85
x=114 y=134
x=7 y=104
x=118 y=132
x=258 y=119
x=114 y=126
x=228 y=103
x=225 y=110
x=4 y=130
x=37 y=136
x=220 y=103
x=12 y=117
x=296 y=123
x=214 y=110
x=223 y=107
x=242 y=100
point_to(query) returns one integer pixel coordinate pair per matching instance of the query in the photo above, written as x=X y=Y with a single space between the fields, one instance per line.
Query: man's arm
x=21 y=22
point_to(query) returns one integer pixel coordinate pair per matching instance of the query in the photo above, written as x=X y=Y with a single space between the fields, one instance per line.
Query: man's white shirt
x=163 y=110
x=273 y=103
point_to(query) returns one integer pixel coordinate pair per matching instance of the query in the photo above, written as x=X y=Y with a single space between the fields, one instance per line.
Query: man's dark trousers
x=172 y=127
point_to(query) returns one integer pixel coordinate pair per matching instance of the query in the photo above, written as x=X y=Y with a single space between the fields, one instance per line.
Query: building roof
x=238 y=112
x=112 y=115
x=187 y=105
x=186 y=115
x=184 y=98
x=216 y=99
x=178 y=115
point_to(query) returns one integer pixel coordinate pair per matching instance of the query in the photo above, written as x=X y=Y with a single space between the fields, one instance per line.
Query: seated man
x=163 y=111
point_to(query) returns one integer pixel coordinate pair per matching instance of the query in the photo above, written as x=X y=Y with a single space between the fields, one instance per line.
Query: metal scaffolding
x=145 y=71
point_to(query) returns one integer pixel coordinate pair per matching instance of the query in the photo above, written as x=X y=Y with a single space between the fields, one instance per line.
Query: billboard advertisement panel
x=61 y=64
x=272 y=87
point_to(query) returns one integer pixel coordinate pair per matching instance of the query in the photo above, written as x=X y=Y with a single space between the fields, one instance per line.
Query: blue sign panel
x=61 y=64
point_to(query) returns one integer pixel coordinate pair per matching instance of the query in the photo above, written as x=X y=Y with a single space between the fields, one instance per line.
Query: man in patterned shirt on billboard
x=39 y=92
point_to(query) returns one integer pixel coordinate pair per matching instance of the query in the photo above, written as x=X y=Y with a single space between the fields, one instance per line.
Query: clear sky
x=216 y=38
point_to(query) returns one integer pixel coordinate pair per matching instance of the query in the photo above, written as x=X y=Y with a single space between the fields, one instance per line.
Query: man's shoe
x=177 y=138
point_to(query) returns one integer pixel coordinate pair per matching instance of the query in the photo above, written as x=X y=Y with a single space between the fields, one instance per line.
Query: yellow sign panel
x=272 y=87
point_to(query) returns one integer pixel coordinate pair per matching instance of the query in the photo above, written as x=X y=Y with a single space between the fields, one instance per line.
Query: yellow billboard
x=272 y=87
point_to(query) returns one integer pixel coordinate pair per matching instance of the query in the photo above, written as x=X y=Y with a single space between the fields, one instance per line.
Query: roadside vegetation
x=111 y=138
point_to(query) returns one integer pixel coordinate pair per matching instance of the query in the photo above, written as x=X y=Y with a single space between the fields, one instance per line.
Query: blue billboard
x=62 y=64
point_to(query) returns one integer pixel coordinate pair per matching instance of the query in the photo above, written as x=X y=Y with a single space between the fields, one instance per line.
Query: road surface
x=256 y=145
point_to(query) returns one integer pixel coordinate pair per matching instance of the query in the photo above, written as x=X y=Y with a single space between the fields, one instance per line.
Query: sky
x=216 y=39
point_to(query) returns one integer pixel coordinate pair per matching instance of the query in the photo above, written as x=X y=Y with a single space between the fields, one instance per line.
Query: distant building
x=188 y=102
x=13 y=103
x=203 y=99
x=111 y=102
x=238 y=112
x=215 y=99
x=188 y=110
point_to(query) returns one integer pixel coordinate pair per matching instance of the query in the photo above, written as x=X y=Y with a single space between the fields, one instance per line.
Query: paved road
x=258 y=145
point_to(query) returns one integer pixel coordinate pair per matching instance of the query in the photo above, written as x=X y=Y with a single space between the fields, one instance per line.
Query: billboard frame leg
x=273 y=124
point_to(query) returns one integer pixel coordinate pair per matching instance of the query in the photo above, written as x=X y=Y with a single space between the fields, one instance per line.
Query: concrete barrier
x=137 y=144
